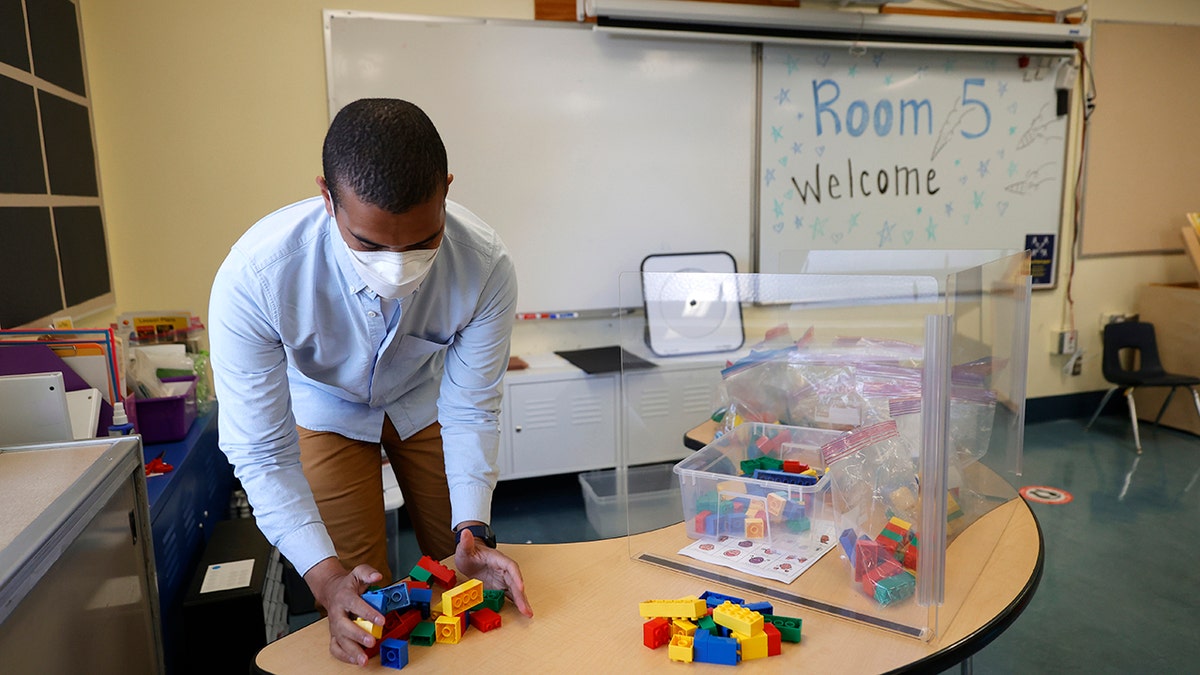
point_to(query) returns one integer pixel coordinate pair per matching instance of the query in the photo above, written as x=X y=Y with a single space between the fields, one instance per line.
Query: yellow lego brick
x=755 y=528
x=738 y=619
x=903 y=499
x=683 y=627
x=681 y=648
x=690 y=607
x=810 y=472
x=731 y=486
x=775 y=504
x=462 y=597
x=371 y=628
x=448 y=629
x=751 y=646
x=901 y=523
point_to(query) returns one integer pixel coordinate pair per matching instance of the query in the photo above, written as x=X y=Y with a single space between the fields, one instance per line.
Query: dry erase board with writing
x=586 y=152
x=906 y=150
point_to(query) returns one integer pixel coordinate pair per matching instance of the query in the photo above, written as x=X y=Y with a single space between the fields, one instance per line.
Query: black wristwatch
x=482 y=533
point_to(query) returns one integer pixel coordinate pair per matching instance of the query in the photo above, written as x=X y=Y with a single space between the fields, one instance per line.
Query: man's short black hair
x=386 y=151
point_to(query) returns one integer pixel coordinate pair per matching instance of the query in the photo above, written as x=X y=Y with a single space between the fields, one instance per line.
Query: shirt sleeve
x=257 y=430
x=469 y=401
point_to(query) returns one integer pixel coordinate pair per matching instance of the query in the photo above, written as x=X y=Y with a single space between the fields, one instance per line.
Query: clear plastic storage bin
x=784 y=507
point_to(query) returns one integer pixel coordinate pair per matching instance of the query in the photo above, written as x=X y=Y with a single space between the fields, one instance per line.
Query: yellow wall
x=209 y=115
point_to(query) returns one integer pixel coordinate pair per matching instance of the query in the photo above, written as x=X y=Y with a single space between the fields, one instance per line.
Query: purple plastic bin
x=162 y=420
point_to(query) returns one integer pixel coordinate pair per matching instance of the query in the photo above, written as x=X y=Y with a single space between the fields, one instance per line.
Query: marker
x=564 y=315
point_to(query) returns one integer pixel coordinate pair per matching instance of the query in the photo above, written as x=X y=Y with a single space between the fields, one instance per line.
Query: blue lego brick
x=377 y=600
x=794 y=511
x=713 y=599
x=396 y=597
x=711 y=649
x=419 y=595
x=393 y=653
x=848 y=539
x=760 y=607
x=784 y=477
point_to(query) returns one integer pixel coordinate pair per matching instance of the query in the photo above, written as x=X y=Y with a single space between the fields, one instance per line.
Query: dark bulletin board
x=1143 y=152
x=53 y=255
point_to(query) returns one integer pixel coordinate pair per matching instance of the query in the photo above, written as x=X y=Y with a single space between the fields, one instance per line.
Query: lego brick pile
x=412 y=617
x=886 y=566
x=716 y=628
x=718 y=514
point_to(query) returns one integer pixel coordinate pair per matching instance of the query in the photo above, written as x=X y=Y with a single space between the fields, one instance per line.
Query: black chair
x=1138 y=336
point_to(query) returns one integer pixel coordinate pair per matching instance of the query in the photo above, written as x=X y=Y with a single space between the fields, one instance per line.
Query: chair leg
x=1166 y=402
x=1137 y=439
x=1195 y=399
x=1101 y=407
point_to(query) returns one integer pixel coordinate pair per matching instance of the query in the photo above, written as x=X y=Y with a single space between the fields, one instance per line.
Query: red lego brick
x=404 y=625
x=484 y=619
x=888 y=568
x=656 y=632
x=774 y=639
x=413 y=583
x=700 y=520
x=867 y=556
x=444 y=576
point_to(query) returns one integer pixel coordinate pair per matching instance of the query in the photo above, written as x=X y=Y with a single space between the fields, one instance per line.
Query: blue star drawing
x=770 y=176
x=853 y=221
x=783 y=96
x=887 y=80
x=1002 y=88
x=799 y=115
x=877 y=58
x=1012 y=169
x=978 y=199
x=799 y=222
x=931 y=230
x=853 y=70
x=949 y=208
x=1012 y=131
x=990 y=64
x=922 y=70
x=778 y=209
x=777 y=133
x=797 y=147
x=793 y=64
x=818 y=227
x=983 y=168
x=950 y=64
x=885 y=233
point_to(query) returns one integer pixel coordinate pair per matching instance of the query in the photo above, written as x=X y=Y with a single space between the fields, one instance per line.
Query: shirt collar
x=337 y=246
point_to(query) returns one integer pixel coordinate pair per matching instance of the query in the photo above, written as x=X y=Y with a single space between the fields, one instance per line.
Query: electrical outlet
x=1068 y=342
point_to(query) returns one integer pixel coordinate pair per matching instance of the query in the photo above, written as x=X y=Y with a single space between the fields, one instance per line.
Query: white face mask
x=392 y=274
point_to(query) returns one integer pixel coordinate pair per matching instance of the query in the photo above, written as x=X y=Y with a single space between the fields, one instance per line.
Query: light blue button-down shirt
x=297 y=338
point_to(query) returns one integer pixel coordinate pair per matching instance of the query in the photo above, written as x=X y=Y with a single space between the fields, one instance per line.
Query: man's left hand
x=493 y=568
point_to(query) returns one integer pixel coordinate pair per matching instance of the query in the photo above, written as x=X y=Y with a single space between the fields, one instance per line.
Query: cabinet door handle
x=517 y=429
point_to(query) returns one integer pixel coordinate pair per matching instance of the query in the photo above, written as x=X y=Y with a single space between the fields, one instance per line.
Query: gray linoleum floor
x=1122 y=559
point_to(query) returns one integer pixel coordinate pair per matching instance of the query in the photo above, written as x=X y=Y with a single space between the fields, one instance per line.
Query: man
x=379 y=313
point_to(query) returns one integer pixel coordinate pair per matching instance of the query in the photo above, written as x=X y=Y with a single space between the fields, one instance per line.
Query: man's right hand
x=340 y=593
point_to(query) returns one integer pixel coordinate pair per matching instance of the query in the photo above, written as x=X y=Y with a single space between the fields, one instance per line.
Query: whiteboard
x=896 y=150
x=586 y=152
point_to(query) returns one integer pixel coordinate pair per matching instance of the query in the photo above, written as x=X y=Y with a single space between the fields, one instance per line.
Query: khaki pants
x=345 y=478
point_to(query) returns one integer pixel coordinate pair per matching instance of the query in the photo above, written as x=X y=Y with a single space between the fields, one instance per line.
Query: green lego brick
x=707 y=623
x=420 y=573
x=799 y=525
x=788 y=626
x=493 y=600
x=894 y=588
x=770 y=463
x=424 y=635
